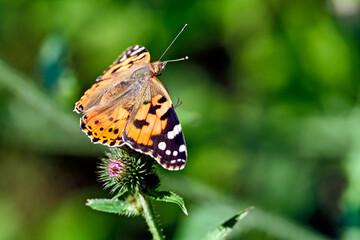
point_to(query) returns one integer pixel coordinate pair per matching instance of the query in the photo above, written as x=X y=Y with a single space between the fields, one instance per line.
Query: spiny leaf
x=224 y=229
x=166 y=196
x=113 y=206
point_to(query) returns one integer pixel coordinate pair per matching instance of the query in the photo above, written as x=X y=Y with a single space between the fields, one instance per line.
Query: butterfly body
x=129 y=105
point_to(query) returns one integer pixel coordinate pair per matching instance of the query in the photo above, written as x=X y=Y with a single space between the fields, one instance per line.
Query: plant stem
x=148 y=214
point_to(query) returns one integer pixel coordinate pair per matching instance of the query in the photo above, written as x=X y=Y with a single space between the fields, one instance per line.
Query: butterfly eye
x=160 y=68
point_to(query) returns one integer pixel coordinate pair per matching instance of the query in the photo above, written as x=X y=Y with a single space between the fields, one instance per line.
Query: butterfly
x=129 y=106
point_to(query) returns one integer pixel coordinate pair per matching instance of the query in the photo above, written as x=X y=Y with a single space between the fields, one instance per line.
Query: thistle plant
x=132 y=178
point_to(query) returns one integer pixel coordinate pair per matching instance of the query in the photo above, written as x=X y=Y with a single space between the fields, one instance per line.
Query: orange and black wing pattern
x=133 y=55
x=155 y=130
x=114 y=74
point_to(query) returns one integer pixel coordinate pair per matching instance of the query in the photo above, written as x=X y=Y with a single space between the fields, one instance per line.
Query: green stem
x=148 y=214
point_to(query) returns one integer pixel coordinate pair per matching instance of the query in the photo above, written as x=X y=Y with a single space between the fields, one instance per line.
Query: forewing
x=155 y=129
x=118 y=72
x=133 y=55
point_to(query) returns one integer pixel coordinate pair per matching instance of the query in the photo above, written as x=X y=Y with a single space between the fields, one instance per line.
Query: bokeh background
x=270 y=112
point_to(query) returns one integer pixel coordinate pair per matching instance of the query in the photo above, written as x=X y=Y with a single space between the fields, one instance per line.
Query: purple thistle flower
x=115 y=168
x=123 y=172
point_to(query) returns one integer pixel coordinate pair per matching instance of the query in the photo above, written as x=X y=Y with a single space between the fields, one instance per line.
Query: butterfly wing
x=108 y=103
x=133 y=55
x=117 y=72
x=155 y=129
x=106 y=125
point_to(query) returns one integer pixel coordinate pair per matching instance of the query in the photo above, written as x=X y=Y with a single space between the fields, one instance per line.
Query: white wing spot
x=136 y=47
x=178 y=128
x=182 y=148
x=180 y=160
x=162 y=145
x=170 y=135
x=168 y=152
x=173 y=161
x=122 y=58
x=175 y=153
x=176 y=131
x=137 y=51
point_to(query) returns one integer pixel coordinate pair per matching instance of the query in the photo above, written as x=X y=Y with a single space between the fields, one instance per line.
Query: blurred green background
x=270 y=113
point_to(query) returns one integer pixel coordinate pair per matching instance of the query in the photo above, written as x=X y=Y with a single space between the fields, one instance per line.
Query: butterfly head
x=158 y=67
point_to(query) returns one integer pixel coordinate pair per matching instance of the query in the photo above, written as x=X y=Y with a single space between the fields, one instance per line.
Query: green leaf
x=113 y=206
x=166 y=196
x=224 y=229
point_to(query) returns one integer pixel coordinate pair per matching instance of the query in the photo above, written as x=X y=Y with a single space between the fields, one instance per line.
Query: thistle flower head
x=115 y=168
x=125 y=170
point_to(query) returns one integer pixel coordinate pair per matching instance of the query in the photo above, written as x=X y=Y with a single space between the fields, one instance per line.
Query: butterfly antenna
x=173 y=42
x=179 y=59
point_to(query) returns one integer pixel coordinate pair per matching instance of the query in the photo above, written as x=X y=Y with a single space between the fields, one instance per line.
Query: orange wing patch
x=134 y=128
x=147 y=121
x=126 y=64
x=147 y=130
x=105 y=128
x=133 y=55
x=88 y=97
x=165 y=104
x=159 y=100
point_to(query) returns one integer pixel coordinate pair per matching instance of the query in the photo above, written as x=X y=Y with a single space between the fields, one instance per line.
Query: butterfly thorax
x=157 y=67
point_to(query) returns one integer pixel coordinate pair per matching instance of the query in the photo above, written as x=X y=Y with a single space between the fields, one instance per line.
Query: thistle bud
x=125 y=170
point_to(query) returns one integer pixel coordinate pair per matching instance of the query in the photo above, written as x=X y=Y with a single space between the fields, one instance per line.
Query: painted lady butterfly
x=129 y=105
